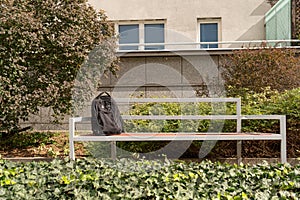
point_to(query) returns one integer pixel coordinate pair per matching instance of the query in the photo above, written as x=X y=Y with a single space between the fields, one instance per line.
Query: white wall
x=240 y=19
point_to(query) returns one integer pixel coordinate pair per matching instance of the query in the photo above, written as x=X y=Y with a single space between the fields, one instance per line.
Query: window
x=139 y=33
x=209 y=33
x=154 y=33
x=129 y=34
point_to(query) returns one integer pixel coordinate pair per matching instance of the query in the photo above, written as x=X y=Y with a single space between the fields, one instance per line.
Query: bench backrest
x=237 y=116
x=127 y=102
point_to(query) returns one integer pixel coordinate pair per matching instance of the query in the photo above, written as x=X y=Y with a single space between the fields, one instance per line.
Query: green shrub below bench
x=143 y=179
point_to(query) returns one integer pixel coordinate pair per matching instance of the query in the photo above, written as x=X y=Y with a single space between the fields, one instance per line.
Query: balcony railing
x=222 y=45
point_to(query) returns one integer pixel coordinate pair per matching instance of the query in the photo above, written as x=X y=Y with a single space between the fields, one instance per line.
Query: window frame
x=216 y=20
x=134 y=46
x=141 y=25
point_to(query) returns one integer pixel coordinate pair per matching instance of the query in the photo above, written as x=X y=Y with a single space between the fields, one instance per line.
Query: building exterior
x=283 y=20
x=177 y=21
x=279 y=21
x=174 y=47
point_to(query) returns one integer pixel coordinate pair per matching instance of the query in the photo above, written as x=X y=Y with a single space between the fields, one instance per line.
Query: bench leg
x=72 y=150
x=239 y=151
x=113 y=146
x=71 y=138
x=283 y=152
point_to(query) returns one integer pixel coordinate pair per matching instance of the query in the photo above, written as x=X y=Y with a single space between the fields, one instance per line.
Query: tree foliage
x=256 y=69
x=272 y=2
x=43 y=45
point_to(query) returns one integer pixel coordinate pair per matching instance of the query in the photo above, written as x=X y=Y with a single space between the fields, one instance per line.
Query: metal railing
x=221 y=45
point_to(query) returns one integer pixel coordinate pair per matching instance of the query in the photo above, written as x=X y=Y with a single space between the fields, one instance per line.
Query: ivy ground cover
x=143 y=179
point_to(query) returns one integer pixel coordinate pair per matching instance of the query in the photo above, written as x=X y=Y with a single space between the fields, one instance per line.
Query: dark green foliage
x=25 y=139
x=43 y=44
x=128 y=179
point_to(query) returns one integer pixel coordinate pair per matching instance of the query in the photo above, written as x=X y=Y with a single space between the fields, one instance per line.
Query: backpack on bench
x=106 y=118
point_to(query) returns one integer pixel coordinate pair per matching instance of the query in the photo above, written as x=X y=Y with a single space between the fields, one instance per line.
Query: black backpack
x=106 y=118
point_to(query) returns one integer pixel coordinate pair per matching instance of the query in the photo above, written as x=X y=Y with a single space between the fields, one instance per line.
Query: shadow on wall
x=251 y=34
x=261 y=9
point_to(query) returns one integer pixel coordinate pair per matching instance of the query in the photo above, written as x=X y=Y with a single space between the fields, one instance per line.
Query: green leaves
x=144 y=179
x=43 y=45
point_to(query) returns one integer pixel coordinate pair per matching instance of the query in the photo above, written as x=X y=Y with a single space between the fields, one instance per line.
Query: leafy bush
x=43 y=44
x=256 y=69
x=128 y=179
x=173 y=125
x=267 y=102
x=175 y=109
x=286 y=103
x=273 y=102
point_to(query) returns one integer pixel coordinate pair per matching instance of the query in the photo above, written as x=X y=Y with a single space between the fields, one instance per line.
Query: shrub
x=274 y=103
x=257 y=69
x=267 y=102
x=286 y=103
x=128 y=179
x=175 y=109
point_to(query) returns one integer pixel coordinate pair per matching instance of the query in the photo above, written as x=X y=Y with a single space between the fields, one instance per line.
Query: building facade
x=174 y=47
x=177 y=21
x=283 y=20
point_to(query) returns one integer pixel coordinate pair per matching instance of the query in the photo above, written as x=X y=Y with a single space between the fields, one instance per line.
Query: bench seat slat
x=181 y=117
x=175 y=100
x=179 y=136
x=145 y=117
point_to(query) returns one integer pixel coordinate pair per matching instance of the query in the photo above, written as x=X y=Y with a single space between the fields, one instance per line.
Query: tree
x=272 y=2
x=256 y=69
x=43 y=44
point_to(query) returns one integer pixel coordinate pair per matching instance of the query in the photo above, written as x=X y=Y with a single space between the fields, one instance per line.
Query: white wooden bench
x=184 y=136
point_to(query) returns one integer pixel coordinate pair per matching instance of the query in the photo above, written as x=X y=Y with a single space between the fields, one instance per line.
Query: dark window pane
x=129 y=34
x=209 y=33
x=154 y=33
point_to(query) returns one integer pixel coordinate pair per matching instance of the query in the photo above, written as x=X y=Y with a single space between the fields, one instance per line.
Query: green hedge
x=266 y=102
x=128 y=179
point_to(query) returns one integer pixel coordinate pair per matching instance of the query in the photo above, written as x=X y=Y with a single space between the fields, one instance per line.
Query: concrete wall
x=239 y=19
x=165 y=74
x=154 y=74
